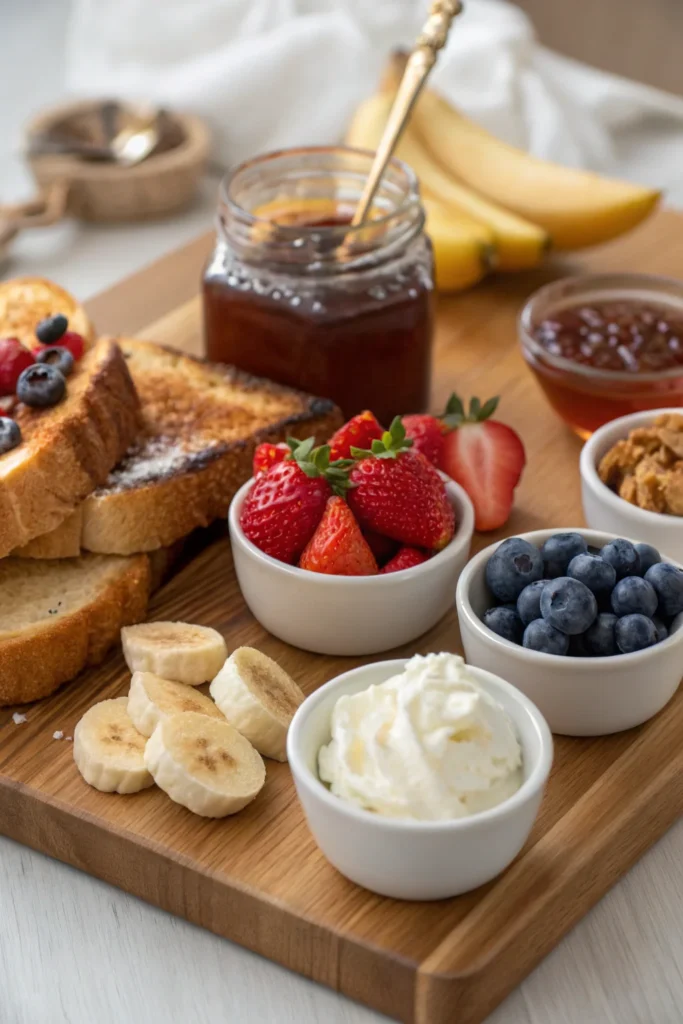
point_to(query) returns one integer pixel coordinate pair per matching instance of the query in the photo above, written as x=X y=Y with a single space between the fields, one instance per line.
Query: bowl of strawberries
x=353 y=547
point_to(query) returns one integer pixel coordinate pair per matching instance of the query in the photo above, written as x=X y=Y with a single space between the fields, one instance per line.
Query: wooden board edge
x=448 y=980
x=359 y=971
x=146 y=295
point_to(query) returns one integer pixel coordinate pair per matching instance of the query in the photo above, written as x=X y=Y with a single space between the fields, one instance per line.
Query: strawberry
x=485 y=457
x=405 y=558
x=359 y=432
x=338 y=547
x=427 y=434
x=14 y=359
x=267 y=455
x=396 y=492
x=383 y=548
x=284 y=506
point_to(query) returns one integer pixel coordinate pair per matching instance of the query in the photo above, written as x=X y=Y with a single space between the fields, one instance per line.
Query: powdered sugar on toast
x=157 y=458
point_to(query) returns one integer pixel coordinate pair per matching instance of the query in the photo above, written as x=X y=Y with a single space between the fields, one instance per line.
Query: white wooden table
x=74 y=950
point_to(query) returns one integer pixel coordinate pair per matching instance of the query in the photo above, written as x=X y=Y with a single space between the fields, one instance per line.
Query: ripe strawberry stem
x=392 y=442
x=455 y=414
x=315 y=462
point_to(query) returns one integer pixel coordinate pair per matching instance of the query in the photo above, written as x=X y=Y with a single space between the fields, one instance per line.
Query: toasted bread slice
x=25 y=301
x=201 y=423
x=67 y=450
x=57 y=617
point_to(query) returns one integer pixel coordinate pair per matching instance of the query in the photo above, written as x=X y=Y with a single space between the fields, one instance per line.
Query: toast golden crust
x=201 y=424
x=67 y=450
x=38 y=657
x=25 y=301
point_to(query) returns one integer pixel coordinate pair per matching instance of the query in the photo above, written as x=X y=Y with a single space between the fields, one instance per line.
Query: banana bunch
x=488 y=204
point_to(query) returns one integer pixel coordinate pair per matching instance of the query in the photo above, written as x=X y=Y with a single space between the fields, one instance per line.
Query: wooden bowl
x=104 y=191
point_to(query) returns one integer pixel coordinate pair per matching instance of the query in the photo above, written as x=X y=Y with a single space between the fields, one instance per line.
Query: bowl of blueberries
x=588 y=625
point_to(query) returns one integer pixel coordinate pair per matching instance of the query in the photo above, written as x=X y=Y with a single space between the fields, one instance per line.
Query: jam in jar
x=294 y=293
x=606 y=345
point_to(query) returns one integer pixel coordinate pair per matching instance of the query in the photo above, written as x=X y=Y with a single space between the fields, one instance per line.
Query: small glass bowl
x=585 y=397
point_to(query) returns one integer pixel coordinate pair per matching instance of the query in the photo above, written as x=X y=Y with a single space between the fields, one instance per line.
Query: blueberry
x=539 y=635
x=568 y=605
x=558 y=551
x=623 y=556
x=514 y=564
x=649 y=556
x=594 y=572
x=599 y=640
x=662 y=631
x=634 y=595
x=529 y=602
x=505 y=623
x=41 y=385
x=57 y=356
x=10 y=434
x=51 y=329
x=668 y=583
x=634 y=632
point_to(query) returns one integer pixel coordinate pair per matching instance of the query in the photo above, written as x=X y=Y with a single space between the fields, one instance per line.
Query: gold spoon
x=420 y=63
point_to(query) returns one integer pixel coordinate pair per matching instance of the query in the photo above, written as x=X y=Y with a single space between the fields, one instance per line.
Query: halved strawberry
x=398 y=493
x=485 y=457
x=427 y=433
x=359 y=432
x=268 y=455
x=338 y=547
x=405 y=558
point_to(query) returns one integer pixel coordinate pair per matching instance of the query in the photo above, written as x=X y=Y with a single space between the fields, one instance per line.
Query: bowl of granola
x=632 y=479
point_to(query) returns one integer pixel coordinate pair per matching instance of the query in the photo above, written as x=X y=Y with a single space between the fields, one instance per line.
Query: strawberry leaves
x=455 y=414
x=315 y=462
x=392 y=442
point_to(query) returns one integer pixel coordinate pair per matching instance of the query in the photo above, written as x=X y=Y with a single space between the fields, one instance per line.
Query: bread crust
x=69 y=449
x=35 y=663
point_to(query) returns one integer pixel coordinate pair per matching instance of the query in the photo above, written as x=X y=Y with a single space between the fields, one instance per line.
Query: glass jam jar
x=293 y=293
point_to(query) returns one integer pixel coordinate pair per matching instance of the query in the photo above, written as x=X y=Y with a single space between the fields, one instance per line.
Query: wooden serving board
x=258 y=878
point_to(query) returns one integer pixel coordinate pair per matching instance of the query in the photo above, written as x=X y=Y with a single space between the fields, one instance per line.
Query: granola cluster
x=646 y=468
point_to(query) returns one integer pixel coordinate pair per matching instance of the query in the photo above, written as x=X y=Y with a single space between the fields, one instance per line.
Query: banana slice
x=109 y=751
x=203 y=764
x=151 y=699
x=259 y=698
x=174 y=650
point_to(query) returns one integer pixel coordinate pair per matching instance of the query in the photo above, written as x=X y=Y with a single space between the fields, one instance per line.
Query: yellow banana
x=577 y=208
x=462 y=254
x=519 y=244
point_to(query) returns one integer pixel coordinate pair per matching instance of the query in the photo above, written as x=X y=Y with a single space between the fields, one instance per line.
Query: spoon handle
x=420 y=63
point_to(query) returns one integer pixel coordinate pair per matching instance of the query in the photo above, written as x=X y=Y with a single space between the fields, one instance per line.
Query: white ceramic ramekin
x=605 y=510
x=577 y=696
x=350 y=615
x=406 y=859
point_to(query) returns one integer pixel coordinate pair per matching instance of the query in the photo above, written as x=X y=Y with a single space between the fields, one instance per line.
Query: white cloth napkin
x=272 y=73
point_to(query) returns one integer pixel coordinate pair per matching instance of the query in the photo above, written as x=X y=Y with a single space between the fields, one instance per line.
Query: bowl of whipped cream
x=420 y=779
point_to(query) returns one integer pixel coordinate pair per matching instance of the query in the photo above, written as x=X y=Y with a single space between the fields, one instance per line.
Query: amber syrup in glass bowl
x=606 y=345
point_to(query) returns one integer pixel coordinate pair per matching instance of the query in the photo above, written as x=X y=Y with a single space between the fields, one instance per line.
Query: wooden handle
x=41 y=211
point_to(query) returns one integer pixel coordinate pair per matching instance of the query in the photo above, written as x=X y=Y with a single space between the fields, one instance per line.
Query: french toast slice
x=68 y=449
x=200 y=425
x=58 y=617
x=25 y=301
